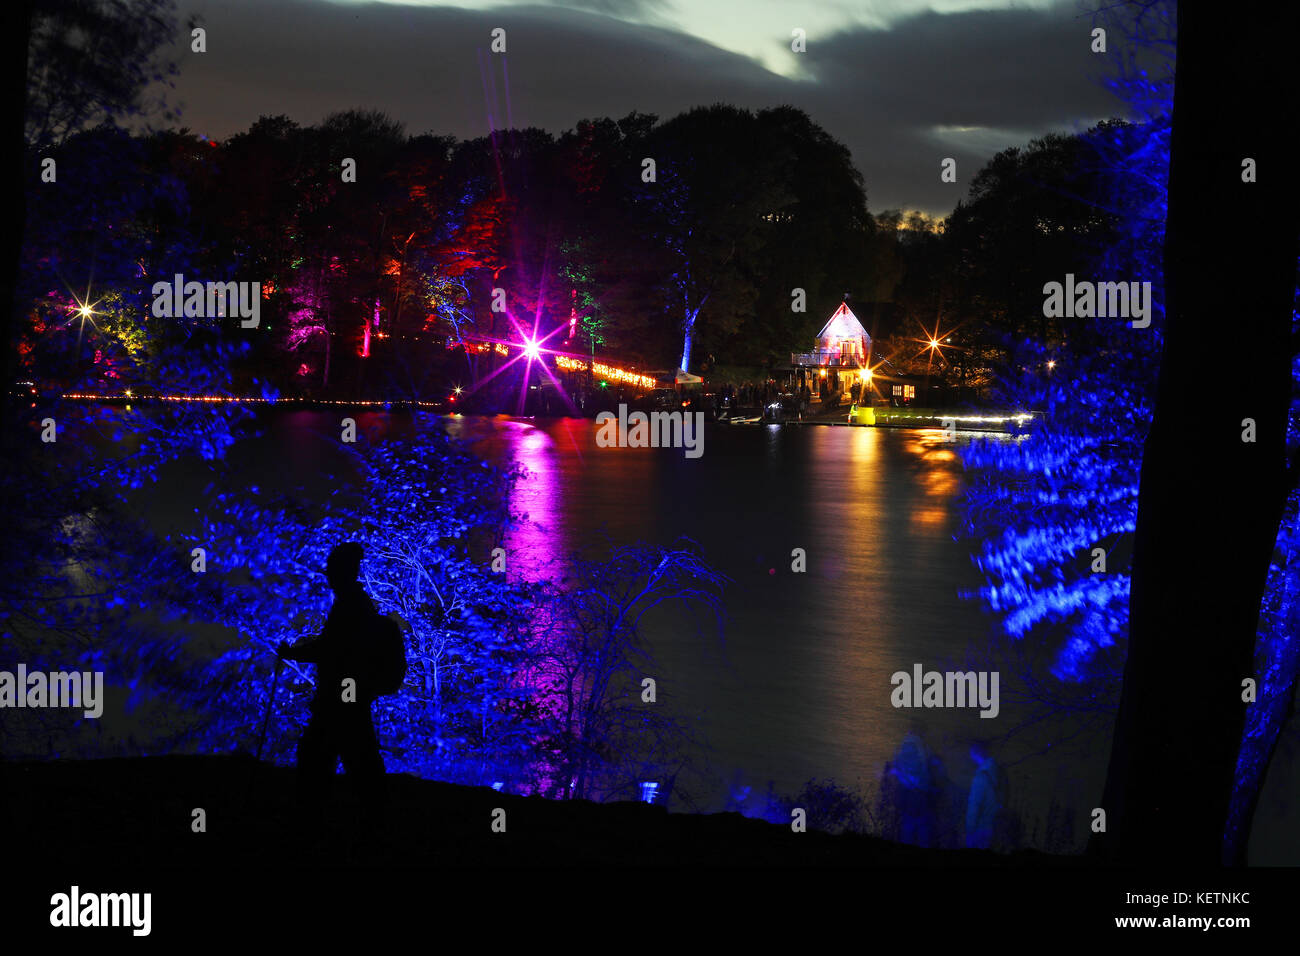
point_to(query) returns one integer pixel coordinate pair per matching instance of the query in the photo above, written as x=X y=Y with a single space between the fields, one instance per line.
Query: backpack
x=388 y=657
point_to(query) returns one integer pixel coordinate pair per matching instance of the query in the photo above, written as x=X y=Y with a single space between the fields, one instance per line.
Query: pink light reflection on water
x=537 y=541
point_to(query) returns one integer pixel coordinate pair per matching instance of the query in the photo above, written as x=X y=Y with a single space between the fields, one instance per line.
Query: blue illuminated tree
x=1055 y=510
x=1046 y=502
x=605 y=729
x=87 y=584
x=532 y=683
x=426 y=514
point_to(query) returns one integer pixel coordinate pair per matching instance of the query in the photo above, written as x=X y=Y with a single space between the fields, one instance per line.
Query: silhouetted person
x=340 y=724
x=984 y=803
x=909 y=787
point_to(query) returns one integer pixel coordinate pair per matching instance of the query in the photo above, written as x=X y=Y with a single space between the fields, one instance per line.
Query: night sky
x=903 y=84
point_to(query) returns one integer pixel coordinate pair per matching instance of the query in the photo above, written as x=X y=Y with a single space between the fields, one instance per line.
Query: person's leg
x=361 y=758
x=317 y=757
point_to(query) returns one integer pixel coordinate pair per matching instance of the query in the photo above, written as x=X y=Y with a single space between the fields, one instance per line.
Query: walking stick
x=270 y=705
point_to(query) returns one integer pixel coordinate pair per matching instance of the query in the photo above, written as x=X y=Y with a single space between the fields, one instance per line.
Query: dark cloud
x=885 y=93
x=1005 y=75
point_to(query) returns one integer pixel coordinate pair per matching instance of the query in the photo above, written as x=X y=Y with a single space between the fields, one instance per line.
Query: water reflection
x=838 y=542
x=803 y=687
x=537 y=542
x=938 y=477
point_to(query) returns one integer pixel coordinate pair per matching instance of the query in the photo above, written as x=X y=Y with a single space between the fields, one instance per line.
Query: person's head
x=979 y=752
x=344 y=564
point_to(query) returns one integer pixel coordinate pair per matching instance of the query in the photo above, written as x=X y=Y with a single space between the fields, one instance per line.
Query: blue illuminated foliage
x=1043 y=502
x=424 y=512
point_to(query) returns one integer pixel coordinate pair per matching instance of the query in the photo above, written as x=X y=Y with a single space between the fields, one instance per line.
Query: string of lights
x=608 y=372
x=235 y=399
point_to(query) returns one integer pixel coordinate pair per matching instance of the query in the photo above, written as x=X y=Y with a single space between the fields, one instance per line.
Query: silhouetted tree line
x=376 y=286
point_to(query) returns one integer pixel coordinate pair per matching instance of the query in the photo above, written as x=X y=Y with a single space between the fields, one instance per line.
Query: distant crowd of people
x=748 y=394
x=763 y=394
x=921 y=805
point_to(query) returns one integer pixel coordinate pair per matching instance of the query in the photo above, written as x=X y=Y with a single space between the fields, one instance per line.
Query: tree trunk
x=688 y=336
x=1209 y=502
x=325 y=379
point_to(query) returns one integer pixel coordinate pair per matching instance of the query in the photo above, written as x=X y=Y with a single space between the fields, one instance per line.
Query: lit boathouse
x=841 y=356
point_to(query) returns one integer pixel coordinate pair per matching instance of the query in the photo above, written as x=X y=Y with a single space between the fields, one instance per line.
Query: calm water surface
x=800 y=688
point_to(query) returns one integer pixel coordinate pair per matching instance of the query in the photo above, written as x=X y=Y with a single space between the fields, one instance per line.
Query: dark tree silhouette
x=15 y=25
x=1210 y=502
x=70 y=64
